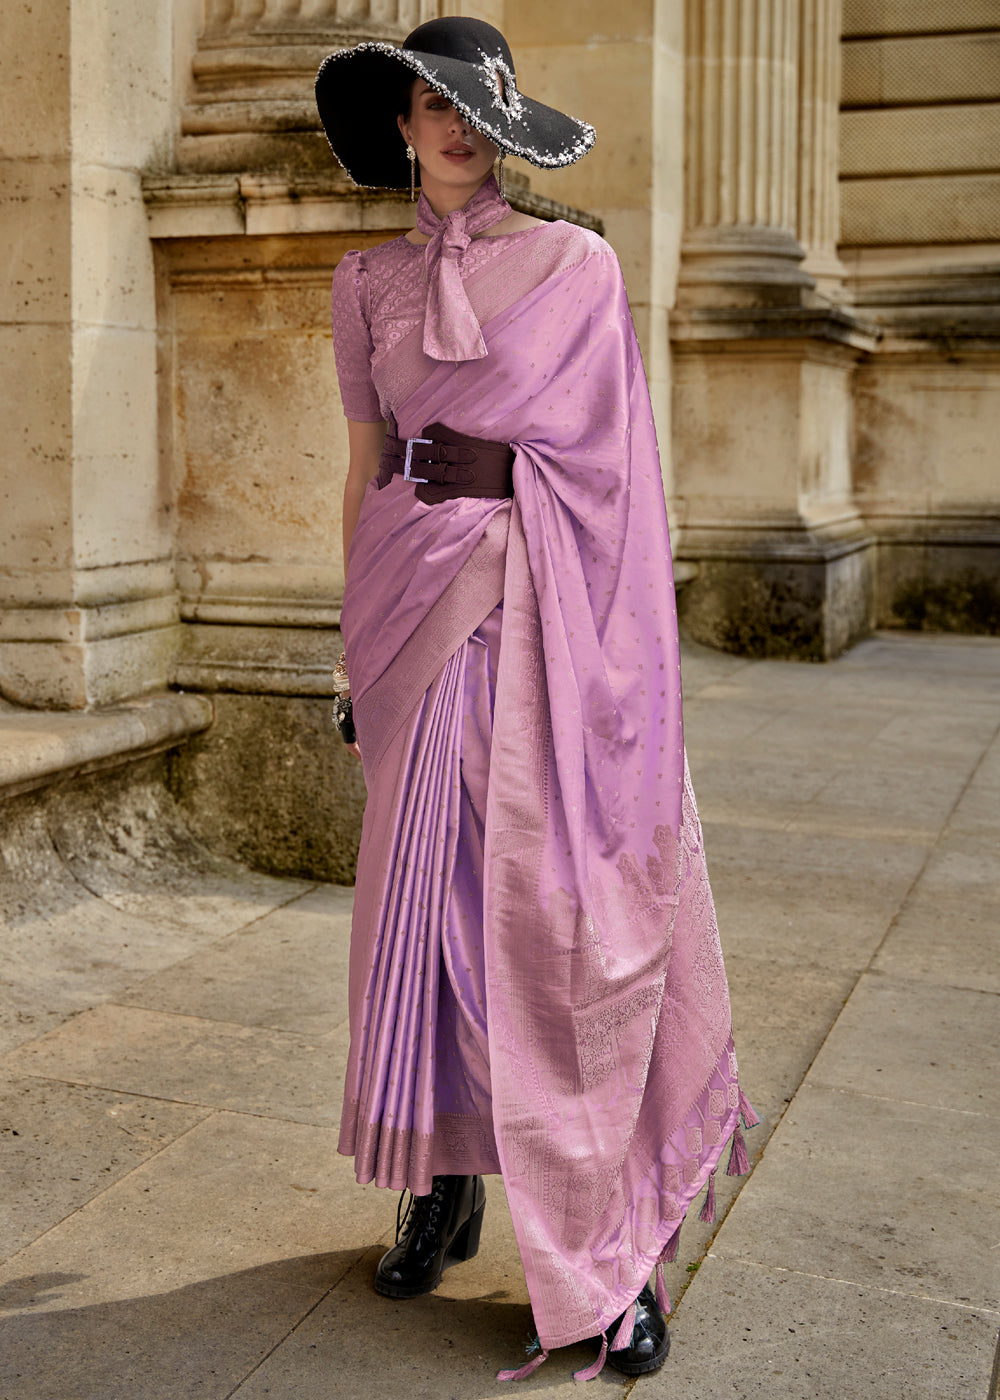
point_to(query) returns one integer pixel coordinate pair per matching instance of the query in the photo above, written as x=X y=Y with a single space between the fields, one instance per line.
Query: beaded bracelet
x=343 y=710
x=343 y=718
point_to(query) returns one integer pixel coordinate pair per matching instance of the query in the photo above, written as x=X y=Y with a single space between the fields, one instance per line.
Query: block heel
x=465 y=1245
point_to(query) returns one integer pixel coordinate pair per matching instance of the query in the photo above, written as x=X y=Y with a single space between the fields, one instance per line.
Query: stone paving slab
x=67 y=942
x=188 y=1059
x=963 y=864
x=889 y=1195
x=903 y=1039
x=427 y=1349
x=805 y=897
x=286 y=971
x=888 y=802
x=450 y=1343
x=975 y=813
x=861 y=1257
x=775 y=1037
x=190 y=1344
x=944 y=938
x=232 y=1192
x=988 y=773
x=746 y=1332
x=731 y=788
x=179 y=1279
x=63 y=1144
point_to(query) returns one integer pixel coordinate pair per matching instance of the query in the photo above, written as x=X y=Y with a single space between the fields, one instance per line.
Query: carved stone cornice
x=223 y=204
x=835 y=326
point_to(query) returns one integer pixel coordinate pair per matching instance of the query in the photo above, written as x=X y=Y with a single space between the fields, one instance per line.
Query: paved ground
x=175 y=1222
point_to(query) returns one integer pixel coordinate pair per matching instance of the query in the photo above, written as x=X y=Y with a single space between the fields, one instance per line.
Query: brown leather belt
x=444 y=465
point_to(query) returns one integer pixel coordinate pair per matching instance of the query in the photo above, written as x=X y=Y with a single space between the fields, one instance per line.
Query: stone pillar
x=762 y=376
x=819 y=143
x=88 y=611
x=740 y=244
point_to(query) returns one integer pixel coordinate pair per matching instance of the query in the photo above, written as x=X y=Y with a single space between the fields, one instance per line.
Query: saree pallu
x=609 y=1074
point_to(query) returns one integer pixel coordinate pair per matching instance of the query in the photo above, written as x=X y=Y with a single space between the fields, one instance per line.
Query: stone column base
x=87 y=638
x=762 y=475
x=938 y=579
x=271 y=784
x=805 y=598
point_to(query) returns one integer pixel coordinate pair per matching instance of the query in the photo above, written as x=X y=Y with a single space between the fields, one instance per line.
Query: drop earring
x=411 y=156
x=500 y=158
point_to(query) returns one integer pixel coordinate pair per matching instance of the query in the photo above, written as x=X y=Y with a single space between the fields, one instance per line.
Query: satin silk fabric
x=613 y=1076
x=451 y=329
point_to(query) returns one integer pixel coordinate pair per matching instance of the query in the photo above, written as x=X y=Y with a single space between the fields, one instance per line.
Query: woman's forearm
x=354 y=492
x=365 y=441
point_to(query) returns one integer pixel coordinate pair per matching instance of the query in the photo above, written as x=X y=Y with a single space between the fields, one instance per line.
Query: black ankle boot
x=437 y=1231
x=650 y=1342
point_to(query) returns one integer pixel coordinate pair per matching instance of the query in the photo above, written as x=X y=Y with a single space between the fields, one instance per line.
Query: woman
x=536 y=983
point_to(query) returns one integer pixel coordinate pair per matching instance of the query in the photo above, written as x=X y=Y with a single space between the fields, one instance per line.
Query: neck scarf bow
x=451 y=330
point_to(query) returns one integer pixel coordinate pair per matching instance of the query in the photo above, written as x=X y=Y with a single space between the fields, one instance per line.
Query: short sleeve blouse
x=379 y=306
x=352 y=340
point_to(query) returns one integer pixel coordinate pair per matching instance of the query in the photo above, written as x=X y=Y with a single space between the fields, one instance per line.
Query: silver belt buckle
x=407 y=460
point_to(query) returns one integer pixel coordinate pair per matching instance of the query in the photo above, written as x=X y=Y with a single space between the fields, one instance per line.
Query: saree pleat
x=396 y=1101
x=412 y=746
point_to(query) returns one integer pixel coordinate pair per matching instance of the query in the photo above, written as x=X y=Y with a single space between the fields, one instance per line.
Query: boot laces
x=420 y=1211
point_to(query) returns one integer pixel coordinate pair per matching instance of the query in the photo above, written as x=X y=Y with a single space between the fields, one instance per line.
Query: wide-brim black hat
x=465 y=60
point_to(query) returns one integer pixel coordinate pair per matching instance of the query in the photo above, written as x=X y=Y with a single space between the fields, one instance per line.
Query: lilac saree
x=536 y=981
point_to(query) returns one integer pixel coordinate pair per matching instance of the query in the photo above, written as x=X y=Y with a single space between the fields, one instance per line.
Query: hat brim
x=366 y=139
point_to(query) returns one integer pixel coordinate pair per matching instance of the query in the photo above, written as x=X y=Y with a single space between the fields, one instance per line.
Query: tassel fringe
x=670 y=1248
x=662 y=1296
x=739 y=1162
x=750 y=1119
x=623 y=1337
x=708 y=1209
x=524 y=1371
x=589 y=1372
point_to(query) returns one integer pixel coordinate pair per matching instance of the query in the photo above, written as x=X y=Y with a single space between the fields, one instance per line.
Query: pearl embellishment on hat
x=500 y=77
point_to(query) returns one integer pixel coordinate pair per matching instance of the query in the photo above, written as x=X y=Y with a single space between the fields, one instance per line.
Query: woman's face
x=448 y=149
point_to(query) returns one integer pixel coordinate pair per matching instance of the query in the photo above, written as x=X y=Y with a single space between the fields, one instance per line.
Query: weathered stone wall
x=259 y=456
x=87 y=605
x=272 y=785
x=920 y=126
x=920 y=132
